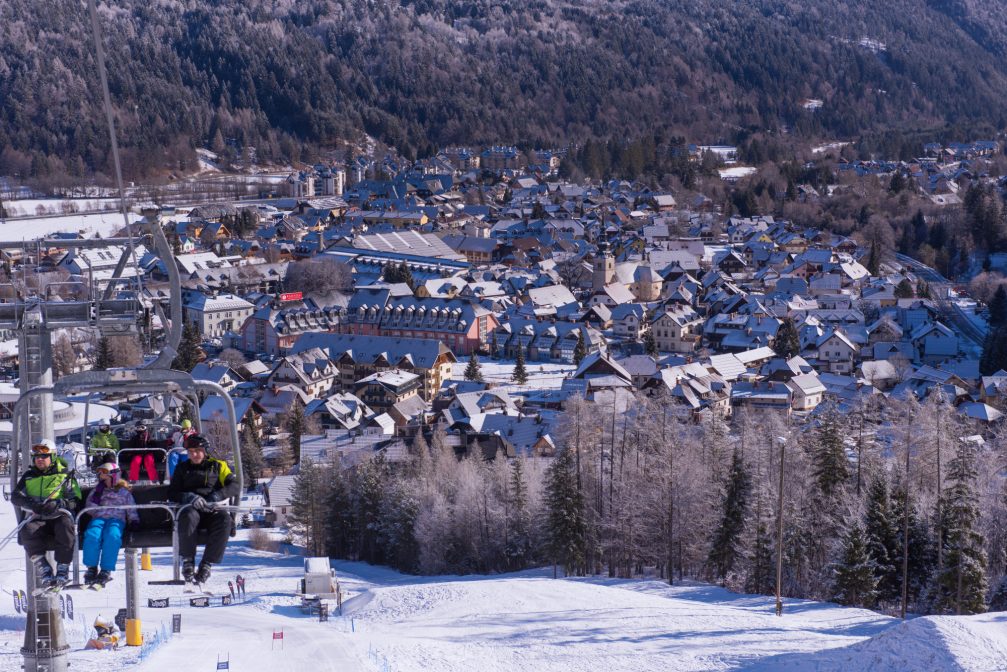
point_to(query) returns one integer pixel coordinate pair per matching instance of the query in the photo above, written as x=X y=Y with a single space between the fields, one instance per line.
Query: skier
x=104 y=534
x=52 y=494
x=200 y=483
x=102 y=443
x=142 y=439
x=106 y=634
x=177 y=453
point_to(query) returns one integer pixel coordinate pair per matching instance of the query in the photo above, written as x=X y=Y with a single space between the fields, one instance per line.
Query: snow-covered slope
x=526 y=621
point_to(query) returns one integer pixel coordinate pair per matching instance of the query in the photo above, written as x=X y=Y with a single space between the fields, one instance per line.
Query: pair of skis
x=237 y=585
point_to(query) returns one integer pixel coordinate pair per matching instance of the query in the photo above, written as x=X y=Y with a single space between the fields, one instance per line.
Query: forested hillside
x=282 y=74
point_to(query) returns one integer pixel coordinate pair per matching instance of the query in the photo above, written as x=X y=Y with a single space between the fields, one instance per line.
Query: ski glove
x=201 y=504
x=47 y=508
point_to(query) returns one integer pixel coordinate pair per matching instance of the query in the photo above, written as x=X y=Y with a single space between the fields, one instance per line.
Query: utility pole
x=779 y=537
x=905 y=526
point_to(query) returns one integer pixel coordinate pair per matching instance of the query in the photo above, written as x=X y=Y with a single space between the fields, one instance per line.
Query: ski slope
x=516 y=622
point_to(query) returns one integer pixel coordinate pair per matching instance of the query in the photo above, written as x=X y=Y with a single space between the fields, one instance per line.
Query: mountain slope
x=425 y=73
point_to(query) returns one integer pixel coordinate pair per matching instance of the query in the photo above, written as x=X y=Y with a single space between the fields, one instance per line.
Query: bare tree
x=64 y=357
x=318 y=275
x=233 y=358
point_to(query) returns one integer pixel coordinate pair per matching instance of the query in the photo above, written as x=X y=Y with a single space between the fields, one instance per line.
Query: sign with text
x=225 y=600
x=291 y=296
x=199 y=602
x=158 y=603
x=176 y=623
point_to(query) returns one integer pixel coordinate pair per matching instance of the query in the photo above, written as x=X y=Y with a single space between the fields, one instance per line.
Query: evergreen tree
x=922 y=558
x=519 y=534
x=994 y=354
x=579 y=350
x=904 y=290
x=960 y=586
x=494 y=348
x=103 y=355
x=519 y=375
x=399 y=273
x=998 y=308
x=566 y=529
x=762 y=569
x=396 y=527
x=341 y=533
x=189 y=352
x=830 y=464
x=726 y=548
x=874 y=259
x=856 y=580
x=922 y=289
x=251 y=451
x=308 y=516
x=295 y=426
x=883 y=541
x=788 y=342
x=473 y=371
x=650 y=343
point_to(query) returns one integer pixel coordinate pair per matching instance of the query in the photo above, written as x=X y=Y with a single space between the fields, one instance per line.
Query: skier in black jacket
x=202 y=482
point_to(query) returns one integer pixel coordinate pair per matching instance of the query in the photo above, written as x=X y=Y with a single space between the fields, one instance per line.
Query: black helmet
x=197 y=441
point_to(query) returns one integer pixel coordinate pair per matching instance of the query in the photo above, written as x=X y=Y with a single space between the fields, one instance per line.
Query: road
x=939 y=289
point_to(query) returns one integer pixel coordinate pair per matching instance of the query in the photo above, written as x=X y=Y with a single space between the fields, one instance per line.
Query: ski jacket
x=56 y=483
x=117 y=495
x=102 y=442
x=211 y=479
x=179 y=437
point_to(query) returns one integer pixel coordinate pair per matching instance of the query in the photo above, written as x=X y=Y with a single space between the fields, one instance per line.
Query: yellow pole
x=145 y=563
x=133 y=635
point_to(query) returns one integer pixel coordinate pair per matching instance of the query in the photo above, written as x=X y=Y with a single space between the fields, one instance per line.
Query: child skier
x=104 y=534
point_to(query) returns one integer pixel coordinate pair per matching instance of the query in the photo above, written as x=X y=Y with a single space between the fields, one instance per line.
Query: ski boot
x=62 y=577
x=90 y=575
x=100 y=581
x=188 y=569
x=44 y=578
x=203 y=575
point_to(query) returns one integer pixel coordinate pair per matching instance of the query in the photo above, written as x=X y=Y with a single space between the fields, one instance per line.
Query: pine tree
x=883 y=541
x=189 y=352
x=519 y=375
x=251 y=451
x=726 y=547
x=874 y=260
x=762 y=568
x=904 y=290
x=308 y=516
x=103 y=355
x=566 y=529
x=960 y=586
x=650 y=343
x=788 y=342
x=519 y=542
x=494 y=348
x=396 y=527
x=830 y=464
x=579 y=350
x=856 y=580
x=998 y=308
x=295 y=426
x=473 y=371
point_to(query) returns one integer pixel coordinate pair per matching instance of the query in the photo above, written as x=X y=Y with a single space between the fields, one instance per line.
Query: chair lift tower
x=33 y=318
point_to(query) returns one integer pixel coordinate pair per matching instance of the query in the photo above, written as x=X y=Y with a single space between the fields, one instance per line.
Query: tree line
x=886 y=506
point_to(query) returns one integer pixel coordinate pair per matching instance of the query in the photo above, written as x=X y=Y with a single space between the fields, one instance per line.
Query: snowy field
x=518 y=622
x=541 y=375
x=104 y=224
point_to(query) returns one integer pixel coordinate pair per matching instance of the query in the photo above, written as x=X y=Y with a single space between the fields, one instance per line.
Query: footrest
x=170 y=582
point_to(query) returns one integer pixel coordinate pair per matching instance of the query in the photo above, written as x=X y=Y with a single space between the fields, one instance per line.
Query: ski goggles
x=102 y=471
x=41 y=451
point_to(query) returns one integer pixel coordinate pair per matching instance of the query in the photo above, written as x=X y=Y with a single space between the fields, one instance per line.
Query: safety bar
x=163 y=451
x=174 y=510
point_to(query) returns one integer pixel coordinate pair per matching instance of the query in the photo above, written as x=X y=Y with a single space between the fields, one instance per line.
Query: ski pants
x=218 y=525
x=174 y=457
x=39 y=533
x=148 y=465
x=103 y=537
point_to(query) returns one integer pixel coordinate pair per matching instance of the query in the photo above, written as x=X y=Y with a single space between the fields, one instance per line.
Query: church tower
x=604 y=266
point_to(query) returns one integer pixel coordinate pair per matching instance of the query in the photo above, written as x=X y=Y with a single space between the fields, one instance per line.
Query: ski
x=17 y=601
x=193 y=588
x=69 y=607
x=230 y=587
x=62 y=607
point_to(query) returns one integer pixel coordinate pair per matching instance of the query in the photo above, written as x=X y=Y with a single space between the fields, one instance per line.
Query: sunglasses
x=105 y=472
x=40 y=451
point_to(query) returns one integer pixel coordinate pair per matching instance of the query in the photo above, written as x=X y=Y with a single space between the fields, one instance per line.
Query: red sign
x=278 y=635
x=291 y=296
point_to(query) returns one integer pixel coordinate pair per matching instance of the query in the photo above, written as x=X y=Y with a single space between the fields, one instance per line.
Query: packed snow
x=103 y=224
x=541 y=375
x=516 y=622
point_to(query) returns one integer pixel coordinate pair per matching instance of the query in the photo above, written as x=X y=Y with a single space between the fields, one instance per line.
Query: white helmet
x=46 y=446
x=101 y=623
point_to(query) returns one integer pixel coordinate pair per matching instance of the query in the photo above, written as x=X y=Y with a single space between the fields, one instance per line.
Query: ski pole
x=13 y=535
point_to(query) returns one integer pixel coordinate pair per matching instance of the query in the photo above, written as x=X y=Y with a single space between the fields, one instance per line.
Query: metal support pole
x=133 y=635
x=779 y=538
x=45 y=648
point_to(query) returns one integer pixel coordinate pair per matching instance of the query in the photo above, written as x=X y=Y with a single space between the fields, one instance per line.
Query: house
x=807 y=391
x=356 y=357
x=677 y=328
x=279 y=495
x=629 y=320
x=221 y=374
x=310 y=370
x=247 y=413
x=836 y=352
x=385 y=389
x=341 y=410
x=216 y=316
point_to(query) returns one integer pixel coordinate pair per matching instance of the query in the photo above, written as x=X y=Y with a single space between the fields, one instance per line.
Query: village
x=430 y=300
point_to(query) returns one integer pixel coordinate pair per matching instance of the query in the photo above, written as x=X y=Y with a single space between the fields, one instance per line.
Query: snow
x=828 y=146
x=519 y=622
x=104 y=224
x=541 y=375
x=737 y=172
